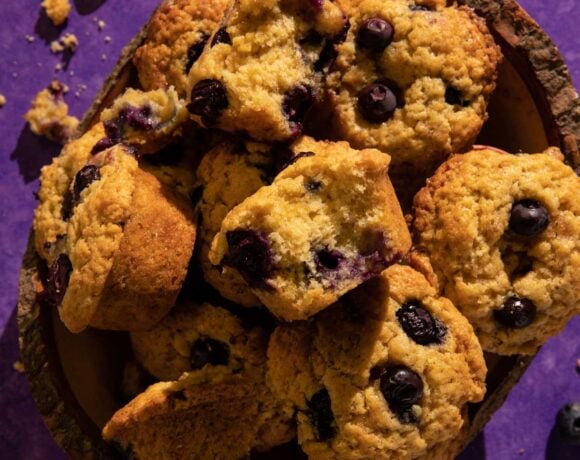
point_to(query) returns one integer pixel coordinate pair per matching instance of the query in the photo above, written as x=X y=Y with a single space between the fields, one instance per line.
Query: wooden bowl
x=75 y=377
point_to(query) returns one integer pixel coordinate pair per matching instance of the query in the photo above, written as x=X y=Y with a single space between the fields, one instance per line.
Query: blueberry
x=568 y=421
x=402 y=388
x=137 y=117
x=208 y=99
x=102 y=144
x=67 y=205
x=375 y=34
x=377 y=102
x=313 y=186
x=320 y=413
x=250 y=254
x=516 y=313
x=113 y=130
x=453 y=97
x=87 y=175
x=296 y=103
x=418 y=323
x=58 y=279
x=208 y=351
x=528 y=218
x=221 y=36
x=328 y=259
x=194 y=52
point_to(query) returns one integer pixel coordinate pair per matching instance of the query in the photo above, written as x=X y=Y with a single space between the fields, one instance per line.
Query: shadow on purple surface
x=84 y=7
x=45 y=29
x=558 y=449
x=22 y=431
x=475 y=450
x=32 y=152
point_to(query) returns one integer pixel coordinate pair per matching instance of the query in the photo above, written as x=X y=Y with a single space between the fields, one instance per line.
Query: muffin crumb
x=49 y=116
x=57 y=10
x=2 y=100
x=67 y=42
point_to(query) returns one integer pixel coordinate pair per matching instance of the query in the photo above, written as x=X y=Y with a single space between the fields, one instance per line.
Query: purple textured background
x=521 y=429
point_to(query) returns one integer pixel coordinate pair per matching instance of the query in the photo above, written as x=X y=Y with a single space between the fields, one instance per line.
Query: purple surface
x=521 y=429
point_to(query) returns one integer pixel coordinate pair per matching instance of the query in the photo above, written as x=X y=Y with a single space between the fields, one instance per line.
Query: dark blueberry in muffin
x=221 y=36
x=57 y=280
x=250 y=254
x=328 y=259
x=208 y=99
x=528 y=218
x=86 y=176
x=137 y=117
x=113 y=130
x=402 y=388
x=320 y=413
x=194 y=52
x=102 y=144
x=418 y=323
x=377 y=102
x=454 y=97
x=375 y=34
x=313 y=186
x=67 y=205
x=296 y=102
x=516 y=313
x=208 y=351
x=568 y=421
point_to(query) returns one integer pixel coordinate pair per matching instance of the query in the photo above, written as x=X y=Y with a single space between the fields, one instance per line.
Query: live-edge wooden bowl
x=75 y=377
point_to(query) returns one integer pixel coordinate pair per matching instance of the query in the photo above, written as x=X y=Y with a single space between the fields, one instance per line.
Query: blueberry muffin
x=189 y=419
x=200 y=338
x=328 y=222
x=49 y=116
x=176 y=36
x=115 y=270
x=54 y=208
x=229 y=173
x=263 y=67
x=147 y=121
x=384 y=374
x=501 y=234
x=412 y=80
x=222 y=393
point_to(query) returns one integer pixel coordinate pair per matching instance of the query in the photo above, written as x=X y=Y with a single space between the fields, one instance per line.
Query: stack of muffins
x=242 y=215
